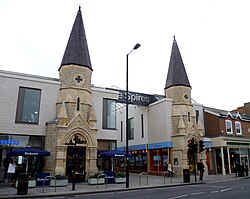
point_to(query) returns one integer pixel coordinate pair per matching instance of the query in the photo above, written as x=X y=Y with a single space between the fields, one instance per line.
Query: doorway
x=76 y=158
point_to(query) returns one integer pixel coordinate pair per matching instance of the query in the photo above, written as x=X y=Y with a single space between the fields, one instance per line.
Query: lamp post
x=74 y=163
x=127 y=160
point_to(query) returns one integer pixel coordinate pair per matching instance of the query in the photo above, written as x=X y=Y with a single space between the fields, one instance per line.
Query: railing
x=106 y=180
x=143 y=173
x=49 y=178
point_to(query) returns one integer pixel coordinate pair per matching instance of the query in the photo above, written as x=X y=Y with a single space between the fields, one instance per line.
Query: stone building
x=75 y=122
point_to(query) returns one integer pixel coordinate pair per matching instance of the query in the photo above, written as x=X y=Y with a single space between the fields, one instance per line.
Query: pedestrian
x=6 y=163
x=237 y=168
x=171 y=173
x=200 y=168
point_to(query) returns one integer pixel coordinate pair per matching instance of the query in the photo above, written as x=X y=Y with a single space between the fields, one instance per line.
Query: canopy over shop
x=109 y=155
x=29 y=152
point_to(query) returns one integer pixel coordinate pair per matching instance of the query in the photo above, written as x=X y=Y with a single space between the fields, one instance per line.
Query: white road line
x=214 y=191
x=181 y=196
x=198 y=193
x=223 y=190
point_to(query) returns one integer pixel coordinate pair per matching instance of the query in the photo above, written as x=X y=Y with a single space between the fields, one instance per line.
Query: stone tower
x=73 y=133
x=184 y=122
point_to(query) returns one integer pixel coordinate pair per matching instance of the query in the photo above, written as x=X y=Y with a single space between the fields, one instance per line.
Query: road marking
x=223 y=190
x=214 y=191
x=198 y=193
x=181 y=196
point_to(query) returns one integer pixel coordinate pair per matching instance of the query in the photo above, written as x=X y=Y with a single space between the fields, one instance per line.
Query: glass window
x=28 y=105
x=197 y=113
x=109 y=114
x=142 y=126
x=131 y=129
x=229 y=127
x=238 y=128
x=121 y=130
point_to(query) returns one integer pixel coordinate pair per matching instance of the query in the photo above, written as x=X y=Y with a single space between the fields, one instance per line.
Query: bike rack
x=106 y=181
x=49 y=178
x=170 y=176
x=143 y=173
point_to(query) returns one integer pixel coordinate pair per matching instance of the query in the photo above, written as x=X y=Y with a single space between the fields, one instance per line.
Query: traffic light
x=190 y=145
x=195 y=147
x=201 y=146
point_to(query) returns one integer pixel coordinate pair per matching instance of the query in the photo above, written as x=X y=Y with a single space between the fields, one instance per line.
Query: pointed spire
x=76 y=51
x=177 y=75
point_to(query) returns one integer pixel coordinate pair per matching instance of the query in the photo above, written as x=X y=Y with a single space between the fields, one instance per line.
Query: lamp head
x=137 y=46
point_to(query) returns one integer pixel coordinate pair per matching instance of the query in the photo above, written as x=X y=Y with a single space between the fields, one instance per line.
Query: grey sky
x=212 y=35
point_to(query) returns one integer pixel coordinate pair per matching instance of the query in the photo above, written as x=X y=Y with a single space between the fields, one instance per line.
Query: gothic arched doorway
x=76 y=158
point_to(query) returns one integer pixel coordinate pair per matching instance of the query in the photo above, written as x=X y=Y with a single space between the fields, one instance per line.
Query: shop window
x=109 y=114
x=238 y=129
x=28 y=105
x=131 y=129
x=229 y=127
x=157 y=160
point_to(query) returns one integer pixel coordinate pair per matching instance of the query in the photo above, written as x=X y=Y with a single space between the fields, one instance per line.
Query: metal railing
x=53 y=177
x=170 y=176
x=143 y=173
x=106 y=180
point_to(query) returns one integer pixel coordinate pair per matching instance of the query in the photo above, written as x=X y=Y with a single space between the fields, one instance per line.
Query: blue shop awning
x=113 y=153
x=29 y=151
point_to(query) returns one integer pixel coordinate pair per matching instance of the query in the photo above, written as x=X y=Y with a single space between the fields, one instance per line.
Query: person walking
x=200 y=168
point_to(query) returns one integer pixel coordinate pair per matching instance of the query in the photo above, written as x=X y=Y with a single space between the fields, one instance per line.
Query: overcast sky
x=213 y=37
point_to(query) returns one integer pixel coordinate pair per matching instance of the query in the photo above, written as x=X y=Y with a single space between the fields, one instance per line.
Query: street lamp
x=77 y=140
x=127 y=160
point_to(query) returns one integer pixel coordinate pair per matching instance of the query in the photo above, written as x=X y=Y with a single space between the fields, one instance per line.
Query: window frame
x=240 y=128
x=105 y=118
x=131 y=128
x=231 y=127
x=21 y=105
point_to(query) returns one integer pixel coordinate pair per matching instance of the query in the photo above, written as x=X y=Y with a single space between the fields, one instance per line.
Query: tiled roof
x=77 y=51
x=224 y=113
x=177 y=75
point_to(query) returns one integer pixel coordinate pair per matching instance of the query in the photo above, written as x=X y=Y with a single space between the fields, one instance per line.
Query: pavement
x=136 y=181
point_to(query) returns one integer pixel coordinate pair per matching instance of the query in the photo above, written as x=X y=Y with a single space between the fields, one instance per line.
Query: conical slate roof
x=177 y=75
x=76 y=51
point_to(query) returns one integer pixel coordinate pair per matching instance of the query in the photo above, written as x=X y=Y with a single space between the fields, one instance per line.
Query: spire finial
x=79 y=8
x=174 y=38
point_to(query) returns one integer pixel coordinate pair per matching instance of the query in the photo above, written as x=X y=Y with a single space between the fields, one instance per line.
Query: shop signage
x=30 y=153
x=9 y=142
x=135 y=98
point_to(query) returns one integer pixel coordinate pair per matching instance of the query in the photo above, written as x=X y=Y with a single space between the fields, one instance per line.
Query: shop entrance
x=76 y=158
x=244 y=160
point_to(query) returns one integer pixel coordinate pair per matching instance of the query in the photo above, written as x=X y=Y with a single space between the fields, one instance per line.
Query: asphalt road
x=239 y=189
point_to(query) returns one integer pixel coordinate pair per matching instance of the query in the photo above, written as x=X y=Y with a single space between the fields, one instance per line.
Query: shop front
x=12 y=142
x=149 y=158
x=159 y=156
x=230 y=155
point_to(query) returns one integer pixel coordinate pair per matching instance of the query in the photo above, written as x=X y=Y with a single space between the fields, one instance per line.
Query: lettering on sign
x=9 y=142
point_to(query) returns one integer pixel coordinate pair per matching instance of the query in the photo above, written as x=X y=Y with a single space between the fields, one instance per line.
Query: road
x=230 y=190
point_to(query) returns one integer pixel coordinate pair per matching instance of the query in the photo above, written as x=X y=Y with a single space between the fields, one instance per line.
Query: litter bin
x=186 y=175
x=22 y=187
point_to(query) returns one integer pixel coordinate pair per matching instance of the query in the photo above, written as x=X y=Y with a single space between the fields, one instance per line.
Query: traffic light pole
x=194 y=167
x=194 y=151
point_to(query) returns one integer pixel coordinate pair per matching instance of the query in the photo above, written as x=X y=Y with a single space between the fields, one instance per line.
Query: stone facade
x=75 y=116
x=184 y=127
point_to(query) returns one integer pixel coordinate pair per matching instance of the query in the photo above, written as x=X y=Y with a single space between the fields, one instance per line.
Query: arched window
x=189 y=116
x=78 y=104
